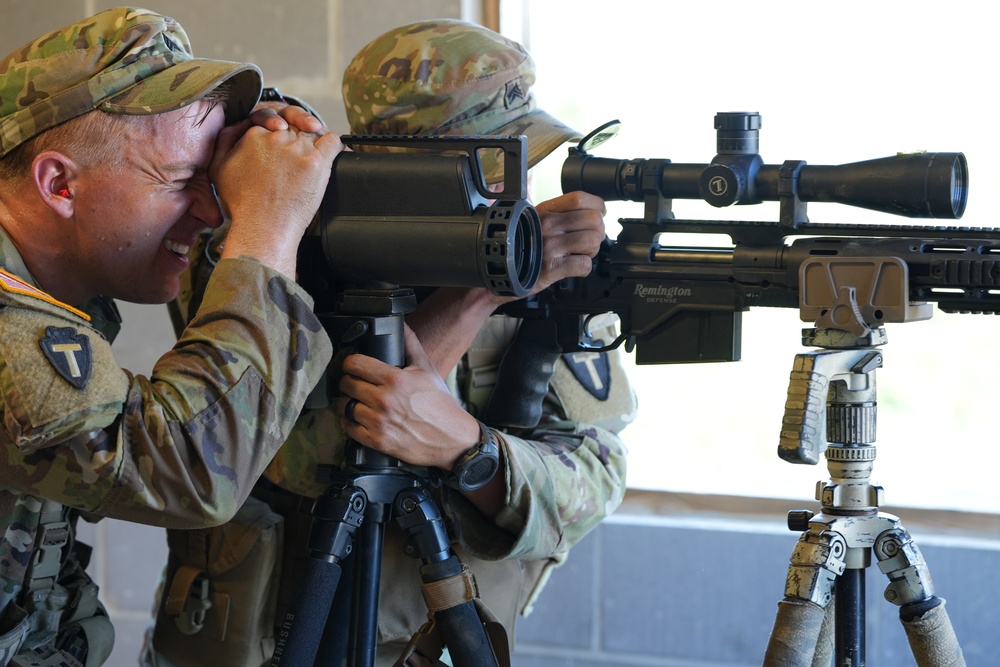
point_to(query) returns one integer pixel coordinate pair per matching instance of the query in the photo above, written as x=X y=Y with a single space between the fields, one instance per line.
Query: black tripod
x=831 y=405
x=350 y=519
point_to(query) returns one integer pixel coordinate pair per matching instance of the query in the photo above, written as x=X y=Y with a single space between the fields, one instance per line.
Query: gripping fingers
x=301 y=119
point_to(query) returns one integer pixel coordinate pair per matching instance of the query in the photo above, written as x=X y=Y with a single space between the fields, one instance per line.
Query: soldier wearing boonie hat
x=80 y=434
x=450 y=77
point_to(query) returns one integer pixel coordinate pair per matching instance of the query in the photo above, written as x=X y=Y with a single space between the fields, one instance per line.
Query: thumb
x=329 y=144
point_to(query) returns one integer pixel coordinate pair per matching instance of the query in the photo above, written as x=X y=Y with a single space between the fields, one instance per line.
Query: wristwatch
x=477 y=466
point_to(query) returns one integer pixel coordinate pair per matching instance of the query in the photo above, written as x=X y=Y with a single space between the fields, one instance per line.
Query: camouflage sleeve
x=560 y=484
x=563 y=477
x=316 y=440
x=183 y=447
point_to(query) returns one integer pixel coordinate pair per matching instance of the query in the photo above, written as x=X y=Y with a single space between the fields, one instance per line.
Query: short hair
x=89 y=139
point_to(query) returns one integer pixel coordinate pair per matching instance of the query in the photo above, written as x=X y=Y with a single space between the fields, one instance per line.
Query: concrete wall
x=661 y=584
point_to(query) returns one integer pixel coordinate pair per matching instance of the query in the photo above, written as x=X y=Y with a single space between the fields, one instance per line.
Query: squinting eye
x=200 y=180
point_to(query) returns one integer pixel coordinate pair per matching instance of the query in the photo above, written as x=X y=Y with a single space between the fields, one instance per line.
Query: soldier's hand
x=275 y=116
x=270 y=183
x=572 y=231
x=407 y=413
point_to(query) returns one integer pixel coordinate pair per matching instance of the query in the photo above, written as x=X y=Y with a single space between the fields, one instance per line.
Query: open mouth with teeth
x=175 y=247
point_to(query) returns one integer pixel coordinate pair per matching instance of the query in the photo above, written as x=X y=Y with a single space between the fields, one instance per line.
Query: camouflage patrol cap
x=447 y=76
x=125 y=60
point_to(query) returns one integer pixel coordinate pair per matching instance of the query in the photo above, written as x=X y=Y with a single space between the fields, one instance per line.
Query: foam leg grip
x=302 y=628
x=795 y=635
x=932 y=639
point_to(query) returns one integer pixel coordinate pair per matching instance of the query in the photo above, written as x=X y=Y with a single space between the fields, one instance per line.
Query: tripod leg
x=368 y=575
x=798 y=631
x=825 y=643
x=795 y=635
x=302 y=628
x=849 y=619
x=461 y=626
x=449 y=589
x=922 y=613
x=333 y=646
x=299 y=635
x=929 y=631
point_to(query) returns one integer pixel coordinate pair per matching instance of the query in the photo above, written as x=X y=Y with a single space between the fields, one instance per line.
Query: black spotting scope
x=425 y=217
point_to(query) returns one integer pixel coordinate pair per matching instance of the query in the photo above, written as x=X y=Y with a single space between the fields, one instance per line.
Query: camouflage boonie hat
x=126 y=60
x=447 y=76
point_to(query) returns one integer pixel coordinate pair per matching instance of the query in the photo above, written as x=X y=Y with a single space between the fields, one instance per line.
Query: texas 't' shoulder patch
x=69 y=353
x=592 y=370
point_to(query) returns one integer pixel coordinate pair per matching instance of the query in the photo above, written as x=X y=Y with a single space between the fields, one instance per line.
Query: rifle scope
x=915 y=185
x=419 y=219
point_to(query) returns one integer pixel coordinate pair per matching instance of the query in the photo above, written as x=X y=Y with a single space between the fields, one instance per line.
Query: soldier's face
x=137 y=221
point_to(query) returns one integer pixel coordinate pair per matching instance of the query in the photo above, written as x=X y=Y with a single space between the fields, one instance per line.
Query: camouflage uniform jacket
x=562 y=477
x=181 y=448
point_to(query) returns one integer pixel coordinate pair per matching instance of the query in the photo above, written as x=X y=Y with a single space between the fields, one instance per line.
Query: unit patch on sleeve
x=69 y=353
x=592 y=370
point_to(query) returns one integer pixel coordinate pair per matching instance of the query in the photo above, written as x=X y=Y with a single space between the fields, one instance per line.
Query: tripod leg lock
x=816 y=562
x=336 y=518
x=900 y=559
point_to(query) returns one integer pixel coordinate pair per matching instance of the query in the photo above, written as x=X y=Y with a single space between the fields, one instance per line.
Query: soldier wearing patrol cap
x=108 y=158
x=563 y=477
x=556 y=482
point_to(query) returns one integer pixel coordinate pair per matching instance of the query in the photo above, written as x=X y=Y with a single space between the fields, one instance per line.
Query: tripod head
x=849 y=298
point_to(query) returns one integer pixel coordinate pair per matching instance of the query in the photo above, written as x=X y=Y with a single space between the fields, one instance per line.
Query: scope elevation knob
x=737 y=132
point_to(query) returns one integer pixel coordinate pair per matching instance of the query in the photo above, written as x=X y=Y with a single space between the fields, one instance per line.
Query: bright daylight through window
x=877 y=79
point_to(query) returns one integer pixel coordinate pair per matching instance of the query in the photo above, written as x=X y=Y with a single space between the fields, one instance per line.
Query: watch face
x=478 y=465
x=479 y=470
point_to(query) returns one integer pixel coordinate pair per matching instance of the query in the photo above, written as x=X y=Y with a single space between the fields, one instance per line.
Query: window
x=834 y=84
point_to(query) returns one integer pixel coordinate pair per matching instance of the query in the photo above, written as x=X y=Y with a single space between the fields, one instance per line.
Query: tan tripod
x=831 y=406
